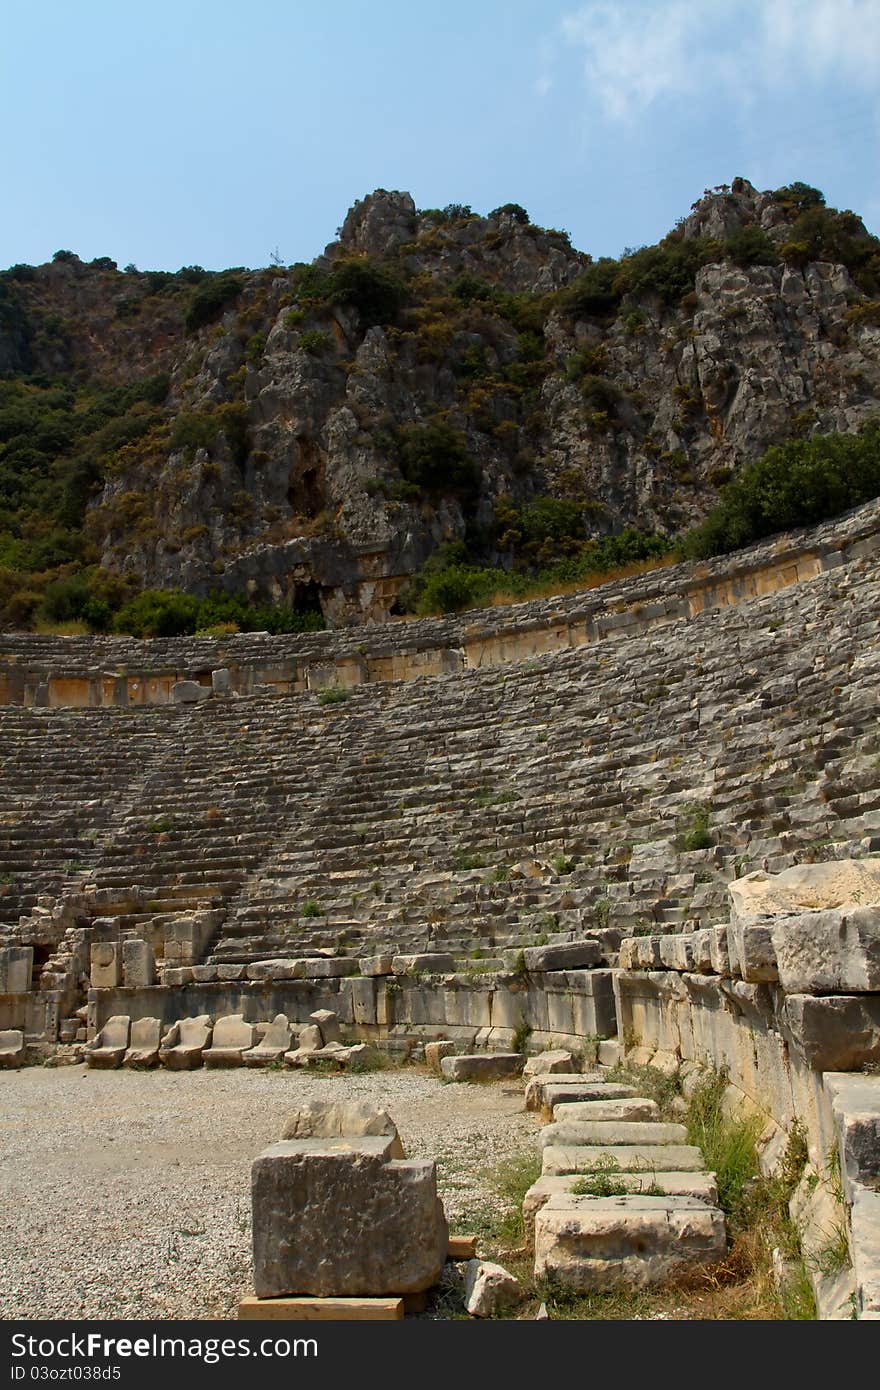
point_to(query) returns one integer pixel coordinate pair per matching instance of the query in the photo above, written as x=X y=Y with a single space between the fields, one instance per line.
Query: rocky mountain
x=311 y=435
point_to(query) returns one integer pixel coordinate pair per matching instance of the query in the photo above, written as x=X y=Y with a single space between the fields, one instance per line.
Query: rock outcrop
x=292 y=457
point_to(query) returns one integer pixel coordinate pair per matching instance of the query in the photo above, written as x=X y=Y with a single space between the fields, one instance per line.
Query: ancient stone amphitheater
x=519 y=823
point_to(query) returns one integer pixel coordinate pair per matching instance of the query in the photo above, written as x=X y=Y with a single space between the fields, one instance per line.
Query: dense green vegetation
x=366 y=286
x=55 y=444
x=450 y=582
x=794 y=484
x=172 y=613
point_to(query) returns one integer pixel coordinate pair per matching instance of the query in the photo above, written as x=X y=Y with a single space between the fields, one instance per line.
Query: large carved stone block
x=342 y=1217
x=601 y=1242
x=106 y=965
x=835 y=951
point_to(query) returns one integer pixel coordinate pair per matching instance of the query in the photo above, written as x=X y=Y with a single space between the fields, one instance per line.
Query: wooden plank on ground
x=462 y=1248
x=321 y=1309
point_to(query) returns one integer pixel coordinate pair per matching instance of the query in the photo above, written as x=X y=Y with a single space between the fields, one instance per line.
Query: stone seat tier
x=761 y=713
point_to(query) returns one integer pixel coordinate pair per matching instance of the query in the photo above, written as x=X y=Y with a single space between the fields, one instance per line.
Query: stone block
x=177 y=975
x=363 y=999
x=328 y=1022
x=342 y=1119
x=836 y=1032
x=610 y=1132
x=138 y=964
x=700 y=1186
x=276 y=970
x=435 y=1052
x=221 y=681
x=461 y=1248
x=377 y=965
x=542 y=1093
x=338 y=1217
x=610 y=1053
x=832 y=951
x=106 y=965
x=588 y=1243
x=627 y=957
x=575 y=955
x=11 y=1047
x=483 y=1066
x=16 y=969
x=649 y=953
x=428 y=963
x=718 y=950
x=588 y=1158
x=489 y=1289
x=865 y=1249
x=310 y=1038
x=666 y=946
x=855 y=1105
x=230 y=972
x=629 y=1108
x=189 y=692
x=702 y=951
x=328 y=969
x=806 y=887
x=548 y=1063
x=750 y=944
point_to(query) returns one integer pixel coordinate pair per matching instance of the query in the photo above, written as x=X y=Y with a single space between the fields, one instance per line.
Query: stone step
x=700 y=1186
x=610 y=1133
x=596 y=1243
x=587 y=1158
x=635 y=1109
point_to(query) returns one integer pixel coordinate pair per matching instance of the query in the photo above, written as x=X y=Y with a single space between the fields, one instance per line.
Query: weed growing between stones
x=833 y=1256
x=374 y=1059
x=694 y=830
x=333 y=695
x=653 y=1084
x=729 y=1144
x=601 y=1181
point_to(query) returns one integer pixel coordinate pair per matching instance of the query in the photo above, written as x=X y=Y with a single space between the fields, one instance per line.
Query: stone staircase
x=623 y=1198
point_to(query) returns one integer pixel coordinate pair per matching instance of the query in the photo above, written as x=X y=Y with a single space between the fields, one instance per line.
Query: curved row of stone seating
x=775 y=733
x=227 y=1042
x=481 y=812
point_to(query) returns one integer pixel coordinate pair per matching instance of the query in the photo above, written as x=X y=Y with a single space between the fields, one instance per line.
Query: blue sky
x=215 y=133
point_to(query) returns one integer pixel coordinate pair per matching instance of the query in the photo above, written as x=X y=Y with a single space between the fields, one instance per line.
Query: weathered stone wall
x=78 y=672
x=571 y=1007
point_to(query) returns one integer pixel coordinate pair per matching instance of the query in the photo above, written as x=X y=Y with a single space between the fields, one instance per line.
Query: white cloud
x=638 y=53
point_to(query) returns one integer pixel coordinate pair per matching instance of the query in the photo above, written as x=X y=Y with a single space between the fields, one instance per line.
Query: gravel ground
x=127 y=1194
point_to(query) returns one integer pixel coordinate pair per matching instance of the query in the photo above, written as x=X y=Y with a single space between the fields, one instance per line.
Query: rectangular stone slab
x=612 y=1132
x=584 y=1158
x=338 y=1217
x=321 y=1309
x=587 y=1243
x=482 y=1066
x=832 y=952
x=572 y=955
x=630 y=1108
x=548 y=1091
x=701 y=1186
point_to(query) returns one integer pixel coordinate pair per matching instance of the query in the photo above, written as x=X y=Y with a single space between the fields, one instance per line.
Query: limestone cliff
x=325 y=428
